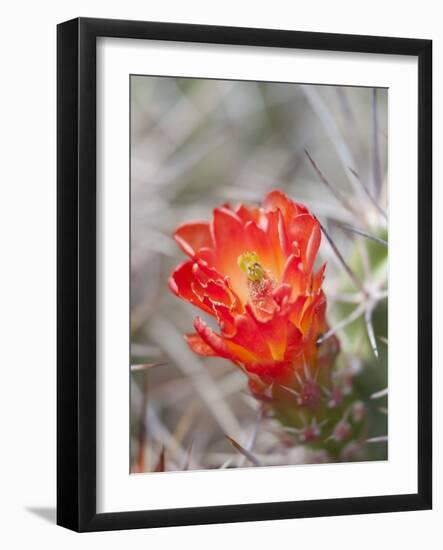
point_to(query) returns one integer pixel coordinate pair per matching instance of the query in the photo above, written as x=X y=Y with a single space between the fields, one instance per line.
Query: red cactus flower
x=252 y=269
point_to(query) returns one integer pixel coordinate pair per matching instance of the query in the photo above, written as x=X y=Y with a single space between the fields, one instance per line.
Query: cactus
x=252 y=270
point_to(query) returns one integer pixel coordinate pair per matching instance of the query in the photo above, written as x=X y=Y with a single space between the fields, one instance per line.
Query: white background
x=27 y=292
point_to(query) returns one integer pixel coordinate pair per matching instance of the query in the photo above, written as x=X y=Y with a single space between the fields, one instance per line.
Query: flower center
x=260 y=286
x=250 y=264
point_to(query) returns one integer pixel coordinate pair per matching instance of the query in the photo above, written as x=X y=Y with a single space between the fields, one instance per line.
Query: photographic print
x=259 y=274
x=226 y=197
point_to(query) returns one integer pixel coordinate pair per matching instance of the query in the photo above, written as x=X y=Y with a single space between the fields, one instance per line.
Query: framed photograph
x=244 y=274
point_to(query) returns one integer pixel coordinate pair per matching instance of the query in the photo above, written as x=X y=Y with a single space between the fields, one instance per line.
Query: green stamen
x=250 y=264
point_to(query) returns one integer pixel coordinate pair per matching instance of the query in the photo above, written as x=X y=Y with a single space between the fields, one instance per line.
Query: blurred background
x=197 y=143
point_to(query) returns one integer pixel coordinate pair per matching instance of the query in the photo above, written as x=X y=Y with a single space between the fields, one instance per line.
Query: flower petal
x=225 y=319
x=305 y=229
x=229 y=238
x=206 y=257
x=257 y=241
x=193 y=236
x=313 y=320
x=248 y=214
x=274 y=333
x=294 y=276
x=212 y=339
x=275 y=231
x=184 y=285
x=278 y=200
x=294 y=342
x=297 y=309
x=249 y=336
x=281 y=294
x=317 y=280
x=214 y=289
x=271 y=370
x=199 y=346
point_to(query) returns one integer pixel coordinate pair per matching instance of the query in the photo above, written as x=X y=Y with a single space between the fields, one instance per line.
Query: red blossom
x=252 y=269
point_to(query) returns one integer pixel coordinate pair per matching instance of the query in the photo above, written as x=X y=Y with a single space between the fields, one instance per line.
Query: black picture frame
x=76 y=280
